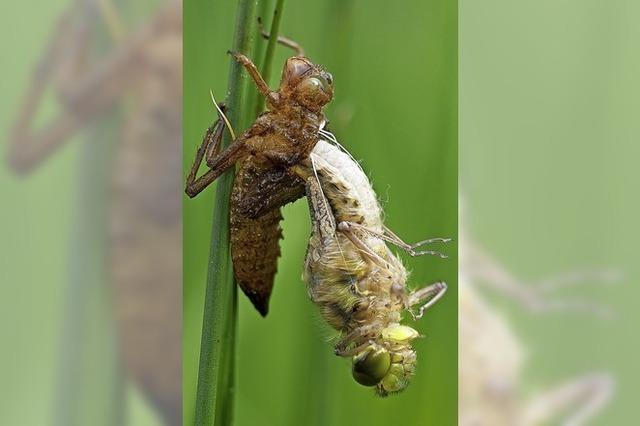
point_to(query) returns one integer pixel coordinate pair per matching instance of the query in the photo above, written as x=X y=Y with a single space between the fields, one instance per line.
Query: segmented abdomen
x=255 y=248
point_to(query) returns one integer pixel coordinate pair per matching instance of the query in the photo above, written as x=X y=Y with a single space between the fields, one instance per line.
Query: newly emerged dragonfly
x=356 y=281
x=280 y=138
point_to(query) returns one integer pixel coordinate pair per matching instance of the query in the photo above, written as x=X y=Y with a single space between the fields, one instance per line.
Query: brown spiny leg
x=251 y=68
x=287 y=42
x=209 y=148
x=219 y=163
x=212 y=139
x=587 y=394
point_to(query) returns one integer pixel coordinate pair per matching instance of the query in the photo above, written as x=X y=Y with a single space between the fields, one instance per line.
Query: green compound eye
x=371 y=366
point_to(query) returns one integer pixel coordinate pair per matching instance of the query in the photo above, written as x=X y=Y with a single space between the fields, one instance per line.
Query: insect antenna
x=224 y=117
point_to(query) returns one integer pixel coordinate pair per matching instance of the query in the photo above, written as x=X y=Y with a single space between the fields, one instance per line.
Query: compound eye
x=296 y=67
x=371 y=366
x=312 y=84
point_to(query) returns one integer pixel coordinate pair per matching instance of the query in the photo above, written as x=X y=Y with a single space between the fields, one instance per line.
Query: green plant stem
x=258 y=58
x=214 y=395
x=274 y=30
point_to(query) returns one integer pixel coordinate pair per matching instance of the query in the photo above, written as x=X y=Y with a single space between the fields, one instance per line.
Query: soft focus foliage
x=548 y=169
x=61 y=362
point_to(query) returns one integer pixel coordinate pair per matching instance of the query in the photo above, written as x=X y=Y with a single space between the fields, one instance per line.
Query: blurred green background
x=58 y=358
x=549 y=101
x=395 y=69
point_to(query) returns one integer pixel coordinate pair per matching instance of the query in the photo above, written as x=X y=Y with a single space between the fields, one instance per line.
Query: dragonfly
x=358 y=284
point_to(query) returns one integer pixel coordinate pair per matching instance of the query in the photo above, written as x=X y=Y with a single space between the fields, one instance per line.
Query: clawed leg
x=209 y=147
x=589 y=394
x=392 y=238
x=218 y=163
x=251 y=68
x=431 y=293
x=410 y=248
x=287 y=42
x=212 y=141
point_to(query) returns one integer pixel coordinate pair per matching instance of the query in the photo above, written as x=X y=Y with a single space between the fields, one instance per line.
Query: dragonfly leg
x=287 y=42
x=392 y=238
x=211 y=142
x=350 y=232
x=218 y=164
x=431 y=293
x=251 y=68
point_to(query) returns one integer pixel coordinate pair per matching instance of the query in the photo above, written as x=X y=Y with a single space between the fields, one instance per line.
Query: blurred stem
x=271 y=48
x=84 y=394
x=214 y=397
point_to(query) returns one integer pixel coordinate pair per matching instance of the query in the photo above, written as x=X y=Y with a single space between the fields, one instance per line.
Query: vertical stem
x=83 y=393
x=271 y=47
x=258 y=53
x=214 y=397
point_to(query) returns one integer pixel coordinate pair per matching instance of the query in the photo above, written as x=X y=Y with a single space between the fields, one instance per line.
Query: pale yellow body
x=360 y=290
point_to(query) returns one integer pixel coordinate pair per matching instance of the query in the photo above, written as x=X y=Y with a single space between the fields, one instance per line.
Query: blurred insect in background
x=352 y=276
x=143 y=71
x=279 y=138
x=491 y=357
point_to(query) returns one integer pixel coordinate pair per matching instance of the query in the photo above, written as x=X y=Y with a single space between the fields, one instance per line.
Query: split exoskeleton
x=278 y=139
x=358 y=284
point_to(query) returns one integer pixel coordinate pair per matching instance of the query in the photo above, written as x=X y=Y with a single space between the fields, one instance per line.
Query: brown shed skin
x=279 y=139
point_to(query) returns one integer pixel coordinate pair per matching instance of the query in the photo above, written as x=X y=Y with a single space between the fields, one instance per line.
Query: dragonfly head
x=390 y=366
x=306 y=84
